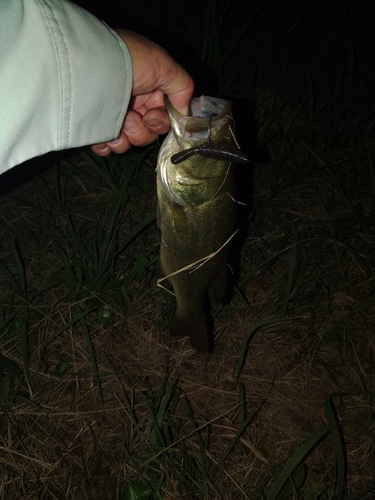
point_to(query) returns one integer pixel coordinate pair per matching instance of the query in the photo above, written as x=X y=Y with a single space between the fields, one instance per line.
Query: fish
x=196 y=212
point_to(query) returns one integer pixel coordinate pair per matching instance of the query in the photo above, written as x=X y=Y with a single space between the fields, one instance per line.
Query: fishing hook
x=215 y=150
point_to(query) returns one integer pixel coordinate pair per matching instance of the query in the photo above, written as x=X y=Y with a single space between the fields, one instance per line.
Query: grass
x=97 y=401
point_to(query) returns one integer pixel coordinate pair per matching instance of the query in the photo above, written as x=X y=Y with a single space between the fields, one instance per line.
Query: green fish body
x=196 y=213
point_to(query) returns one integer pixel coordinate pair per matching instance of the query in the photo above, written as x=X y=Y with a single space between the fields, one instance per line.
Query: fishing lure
x=213 y=150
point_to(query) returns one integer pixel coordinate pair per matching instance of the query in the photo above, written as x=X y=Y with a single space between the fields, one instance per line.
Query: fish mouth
x=209 y=122
x=207 y=119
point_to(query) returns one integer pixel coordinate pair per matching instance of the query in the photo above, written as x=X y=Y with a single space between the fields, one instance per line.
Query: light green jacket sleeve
x=65 y=79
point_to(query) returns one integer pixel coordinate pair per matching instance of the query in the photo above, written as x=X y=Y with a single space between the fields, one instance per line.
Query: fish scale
x=196 y=215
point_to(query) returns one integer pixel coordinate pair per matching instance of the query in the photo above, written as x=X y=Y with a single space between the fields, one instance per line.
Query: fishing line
x=214 y=150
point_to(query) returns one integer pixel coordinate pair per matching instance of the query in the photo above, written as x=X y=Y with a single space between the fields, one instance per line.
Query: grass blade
x=7 y=364
x=19 y=266
x=24 y=344
x=293 y=269
x=147 y=221
x=338 y=445
x=90 y=349
x=249 y=335
x=298 y=458
x=70 y=323
x=13 y=282
x=136 y=491
x=239 y=433
x=28 y=402
x=242 y=394
x=204 y=461
x=358 y=428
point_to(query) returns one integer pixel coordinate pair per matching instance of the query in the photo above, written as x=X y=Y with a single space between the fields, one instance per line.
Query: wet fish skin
x=196 y=212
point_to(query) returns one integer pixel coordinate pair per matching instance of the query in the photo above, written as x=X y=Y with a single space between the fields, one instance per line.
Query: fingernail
x=131 y=125
x=116 y=142
x=152 y=123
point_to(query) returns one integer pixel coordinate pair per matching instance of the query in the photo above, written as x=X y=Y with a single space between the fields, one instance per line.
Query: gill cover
x=208 y=121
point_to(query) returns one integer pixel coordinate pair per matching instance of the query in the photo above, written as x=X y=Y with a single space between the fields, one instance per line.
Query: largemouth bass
x=196 y=211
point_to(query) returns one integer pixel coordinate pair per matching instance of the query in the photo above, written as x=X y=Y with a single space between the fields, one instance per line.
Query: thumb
x=180 y=101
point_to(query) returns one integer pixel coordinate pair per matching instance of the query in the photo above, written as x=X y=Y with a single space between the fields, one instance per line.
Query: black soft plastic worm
x=214 y=150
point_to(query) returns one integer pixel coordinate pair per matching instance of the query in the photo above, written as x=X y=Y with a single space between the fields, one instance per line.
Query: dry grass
x=168 y=414
x=65 y=444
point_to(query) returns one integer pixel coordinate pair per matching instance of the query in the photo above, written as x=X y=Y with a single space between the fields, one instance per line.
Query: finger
x=100 y=149
x=180 y=100
x=179 y=87
x=141 y=103
x=156 y=120
x=136 y=132
x=163 y=73
x=119 y=145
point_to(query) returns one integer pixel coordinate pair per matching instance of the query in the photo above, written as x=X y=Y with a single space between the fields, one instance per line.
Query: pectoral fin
x=179 y=220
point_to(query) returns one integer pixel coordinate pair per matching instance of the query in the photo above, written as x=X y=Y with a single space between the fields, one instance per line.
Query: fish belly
x=193 y=258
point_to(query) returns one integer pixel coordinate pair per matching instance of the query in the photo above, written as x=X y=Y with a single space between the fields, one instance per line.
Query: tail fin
x=195 y=328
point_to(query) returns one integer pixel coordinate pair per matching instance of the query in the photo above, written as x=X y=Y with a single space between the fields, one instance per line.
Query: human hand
x=155 y=73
